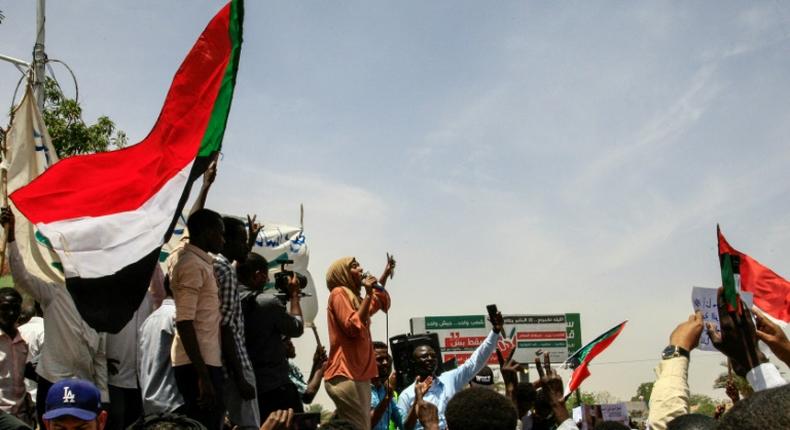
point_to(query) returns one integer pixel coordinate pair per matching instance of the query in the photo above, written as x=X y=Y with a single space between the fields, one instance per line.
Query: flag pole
x=4 y=191
x=315 y=333
x=39 y=55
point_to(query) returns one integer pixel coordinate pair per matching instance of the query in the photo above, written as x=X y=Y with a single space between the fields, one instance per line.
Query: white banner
x=29 y=153
x=279 y=242
x=591 y=415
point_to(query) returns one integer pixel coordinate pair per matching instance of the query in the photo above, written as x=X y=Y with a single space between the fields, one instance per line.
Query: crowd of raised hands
x=737 y=338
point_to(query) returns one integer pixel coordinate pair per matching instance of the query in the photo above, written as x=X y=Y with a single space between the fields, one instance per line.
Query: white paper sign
x=589 y=416
x=704 y=300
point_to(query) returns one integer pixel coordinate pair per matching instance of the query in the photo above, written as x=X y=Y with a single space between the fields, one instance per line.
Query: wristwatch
x=672 y=351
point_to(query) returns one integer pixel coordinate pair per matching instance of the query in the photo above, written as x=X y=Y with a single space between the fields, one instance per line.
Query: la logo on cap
x=68 y=396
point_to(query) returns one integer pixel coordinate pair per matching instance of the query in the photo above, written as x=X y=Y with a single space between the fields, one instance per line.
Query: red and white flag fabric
x=580 y=359
x=107 y=215
x=771 y=291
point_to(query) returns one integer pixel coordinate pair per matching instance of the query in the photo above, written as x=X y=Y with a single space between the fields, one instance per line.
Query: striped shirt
x=230 y=305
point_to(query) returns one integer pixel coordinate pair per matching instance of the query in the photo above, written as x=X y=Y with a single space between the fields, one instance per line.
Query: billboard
x=460 y=335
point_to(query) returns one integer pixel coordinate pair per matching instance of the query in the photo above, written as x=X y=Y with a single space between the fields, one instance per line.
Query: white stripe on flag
x=92 y=247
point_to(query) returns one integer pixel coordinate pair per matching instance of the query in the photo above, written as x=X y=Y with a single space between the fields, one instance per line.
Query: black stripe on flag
x=108 y=303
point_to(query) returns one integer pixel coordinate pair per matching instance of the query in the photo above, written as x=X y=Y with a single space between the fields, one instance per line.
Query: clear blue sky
x=570 y=157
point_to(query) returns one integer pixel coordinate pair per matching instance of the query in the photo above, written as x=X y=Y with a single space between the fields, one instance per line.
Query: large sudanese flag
x=580 y=359
x=107 y=215
x=740 y=272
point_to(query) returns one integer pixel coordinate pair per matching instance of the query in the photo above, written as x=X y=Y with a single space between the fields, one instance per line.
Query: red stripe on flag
x=771 y=291
x=581 y=372
x=117 y=181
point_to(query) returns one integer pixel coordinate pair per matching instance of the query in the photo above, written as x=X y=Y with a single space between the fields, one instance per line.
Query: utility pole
x=39 y=56
x=39 y=62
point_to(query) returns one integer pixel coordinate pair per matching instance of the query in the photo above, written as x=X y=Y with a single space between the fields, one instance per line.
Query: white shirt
x=765 y=376
x=72 y=349
x=122 y=348
x=33 y=334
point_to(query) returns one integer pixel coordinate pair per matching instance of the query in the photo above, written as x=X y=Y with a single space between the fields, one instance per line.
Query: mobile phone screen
x=306 y=421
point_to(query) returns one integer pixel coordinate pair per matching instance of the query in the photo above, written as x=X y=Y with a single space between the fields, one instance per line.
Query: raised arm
x=738 y=341
x=410 y=409
x=670 y=396
x=316 y=375
x=253 y=229
x=290 y=323
x=465 y=372
x=40 y=290
x=773 y=336
x=389 y=270
x=377 y=411
x=552 y=394
x=208 y=179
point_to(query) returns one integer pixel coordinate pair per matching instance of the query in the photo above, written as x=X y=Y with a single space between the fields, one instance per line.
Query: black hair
x=232 y=227
x=692 y=422
x=377 y=344
x=424 y=342
x=762 y=410
x=252 y=264
x=480 y=409
x=10 y=292
x=202 y=221
x=611 y=425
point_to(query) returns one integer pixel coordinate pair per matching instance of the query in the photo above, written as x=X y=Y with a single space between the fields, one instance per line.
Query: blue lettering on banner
x=40 y=147
x=296 y=243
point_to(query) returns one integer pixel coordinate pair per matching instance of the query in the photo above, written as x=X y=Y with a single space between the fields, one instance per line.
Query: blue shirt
x=155 y=373
x=448 y=383
x=392 y=412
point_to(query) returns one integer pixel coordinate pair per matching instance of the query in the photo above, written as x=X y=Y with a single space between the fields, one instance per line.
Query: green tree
x=605 y=398
x=587 y=398
x=643 y=392
x=740 y=383
x=70 y=134
x=702 y=404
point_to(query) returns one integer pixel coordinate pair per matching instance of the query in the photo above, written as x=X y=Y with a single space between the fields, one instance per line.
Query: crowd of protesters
x=208 y=349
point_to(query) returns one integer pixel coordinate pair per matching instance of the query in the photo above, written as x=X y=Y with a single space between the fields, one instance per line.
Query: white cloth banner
x=276 y=242
x=29 y=153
